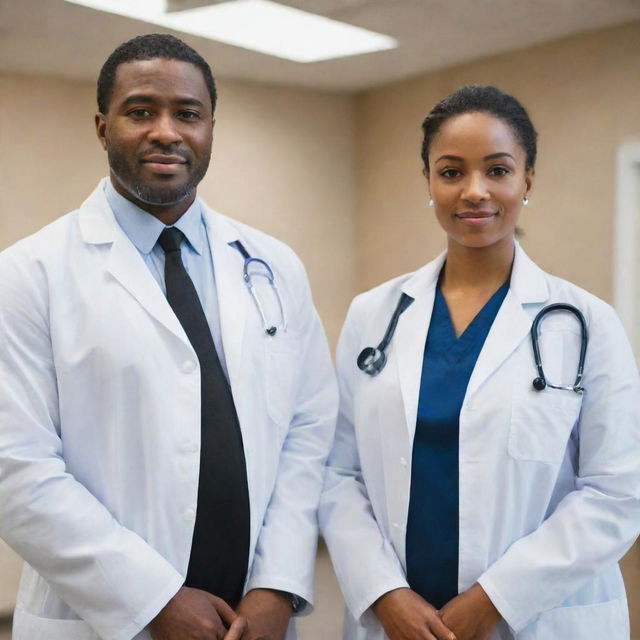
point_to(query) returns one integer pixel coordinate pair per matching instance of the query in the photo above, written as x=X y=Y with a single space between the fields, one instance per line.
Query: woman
x=460 y=501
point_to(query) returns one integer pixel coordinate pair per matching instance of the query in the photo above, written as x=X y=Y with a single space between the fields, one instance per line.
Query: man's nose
x=164 y=130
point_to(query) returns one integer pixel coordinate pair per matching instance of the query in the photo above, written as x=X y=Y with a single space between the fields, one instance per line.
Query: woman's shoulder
x=389 y=292
x=593 y=307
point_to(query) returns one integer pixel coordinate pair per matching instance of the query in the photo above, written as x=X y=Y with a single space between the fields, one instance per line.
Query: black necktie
x=220 y=549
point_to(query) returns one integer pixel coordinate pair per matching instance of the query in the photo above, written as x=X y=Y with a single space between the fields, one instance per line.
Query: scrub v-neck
x=432 y=525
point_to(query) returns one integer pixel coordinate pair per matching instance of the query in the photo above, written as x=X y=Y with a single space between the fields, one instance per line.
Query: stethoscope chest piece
x=372 y=360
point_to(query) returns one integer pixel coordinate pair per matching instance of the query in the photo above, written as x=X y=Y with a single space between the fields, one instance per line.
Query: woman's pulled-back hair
x=484 y=99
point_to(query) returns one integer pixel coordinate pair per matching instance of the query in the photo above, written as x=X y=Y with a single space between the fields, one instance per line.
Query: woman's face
x=477 y=179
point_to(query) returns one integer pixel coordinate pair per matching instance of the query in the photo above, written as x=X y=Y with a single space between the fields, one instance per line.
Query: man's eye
x=189 y=115
x=139 y=113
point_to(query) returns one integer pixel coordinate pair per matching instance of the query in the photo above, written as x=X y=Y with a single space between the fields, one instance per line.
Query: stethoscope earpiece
x=372 y=360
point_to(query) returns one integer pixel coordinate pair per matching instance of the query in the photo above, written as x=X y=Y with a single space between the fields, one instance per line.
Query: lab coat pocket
x=602 y=620
x=541 y=423
x=282 y=359
x=27 y=626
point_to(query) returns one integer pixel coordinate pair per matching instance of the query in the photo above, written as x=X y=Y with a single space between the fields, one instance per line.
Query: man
x=163 y=427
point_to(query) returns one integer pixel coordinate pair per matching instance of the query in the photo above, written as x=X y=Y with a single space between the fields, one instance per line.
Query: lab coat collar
x=528 y=281
x=99 y=226
x=231 y=289
x=511 y=326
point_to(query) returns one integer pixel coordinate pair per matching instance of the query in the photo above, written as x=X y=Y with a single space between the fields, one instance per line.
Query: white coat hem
x=283 y=584
x=151 y=611
x=367 y=601
x=515 y=622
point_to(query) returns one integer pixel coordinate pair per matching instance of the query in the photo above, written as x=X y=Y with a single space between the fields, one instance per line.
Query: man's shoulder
x=46 y=241
x=258 y=244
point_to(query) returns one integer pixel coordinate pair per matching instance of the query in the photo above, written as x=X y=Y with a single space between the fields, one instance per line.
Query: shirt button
x=189 y=514
x=189 y=366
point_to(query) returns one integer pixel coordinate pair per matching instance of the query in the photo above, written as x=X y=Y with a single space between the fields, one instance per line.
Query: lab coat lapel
x=512 y=323
x=411 y=335
x=230 y=288
x=98 y=226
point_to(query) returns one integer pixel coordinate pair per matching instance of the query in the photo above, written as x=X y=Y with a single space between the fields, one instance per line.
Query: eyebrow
x=491 y=156
x=142 y=98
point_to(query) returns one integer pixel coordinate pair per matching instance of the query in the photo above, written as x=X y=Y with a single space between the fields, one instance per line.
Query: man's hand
x=268 y=613
x=193 y=614
x=471 y=614
x=404 y=615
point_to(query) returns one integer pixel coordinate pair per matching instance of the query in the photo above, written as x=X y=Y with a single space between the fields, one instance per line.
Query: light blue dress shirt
x=143 y=230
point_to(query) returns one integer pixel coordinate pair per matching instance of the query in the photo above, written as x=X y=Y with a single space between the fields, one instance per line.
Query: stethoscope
x=256 y=267
x=372 y=360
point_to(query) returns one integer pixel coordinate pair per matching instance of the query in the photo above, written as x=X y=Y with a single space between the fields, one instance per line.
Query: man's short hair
x=149 y=47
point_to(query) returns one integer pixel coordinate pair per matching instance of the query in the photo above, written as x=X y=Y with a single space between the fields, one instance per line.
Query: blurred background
x=325 y=154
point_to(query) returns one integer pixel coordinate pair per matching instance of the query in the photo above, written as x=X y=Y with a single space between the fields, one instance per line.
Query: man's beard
x=156 y=195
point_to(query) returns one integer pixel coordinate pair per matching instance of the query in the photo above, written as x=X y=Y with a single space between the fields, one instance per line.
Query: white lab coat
x=549 y=481
x=100 y=424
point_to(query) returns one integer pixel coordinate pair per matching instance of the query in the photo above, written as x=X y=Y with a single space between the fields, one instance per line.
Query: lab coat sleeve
x=286 y=547
x=107 y=574
x=364 y=560
x=594 y=525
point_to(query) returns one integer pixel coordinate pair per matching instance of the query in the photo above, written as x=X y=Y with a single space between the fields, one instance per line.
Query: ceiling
x=52 y=37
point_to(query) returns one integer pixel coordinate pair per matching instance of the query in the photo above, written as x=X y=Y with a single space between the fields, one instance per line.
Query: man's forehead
x=159 y=75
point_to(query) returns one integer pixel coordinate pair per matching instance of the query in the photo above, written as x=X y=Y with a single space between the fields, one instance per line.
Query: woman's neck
x=477 y=269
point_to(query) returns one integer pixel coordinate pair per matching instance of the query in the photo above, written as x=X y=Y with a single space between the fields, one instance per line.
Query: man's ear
x=101 y=129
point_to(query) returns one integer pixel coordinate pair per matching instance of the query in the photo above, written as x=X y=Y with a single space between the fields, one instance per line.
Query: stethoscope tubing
x=372 y=360
x=269 y=329
x=541 y=381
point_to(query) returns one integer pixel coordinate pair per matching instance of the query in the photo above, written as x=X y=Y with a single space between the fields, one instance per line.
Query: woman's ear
x=528 y=181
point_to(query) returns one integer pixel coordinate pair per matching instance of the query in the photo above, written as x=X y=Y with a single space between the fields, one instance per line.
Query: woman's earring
x=525 y=201
x=431 y=202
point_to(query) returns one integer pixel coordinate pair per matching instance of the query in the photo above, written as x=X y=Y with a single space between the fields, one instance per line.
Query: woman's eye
x=499 y=171
x=450 y=173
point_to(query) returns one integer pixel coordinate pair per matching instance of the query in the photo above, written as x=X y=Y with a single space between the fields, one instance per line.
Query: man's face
x=157 y=133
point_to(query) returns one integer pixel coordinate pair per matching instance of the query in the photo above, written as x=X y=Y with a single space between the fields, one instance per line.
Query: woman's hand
x=471 y=615
x=404 y=615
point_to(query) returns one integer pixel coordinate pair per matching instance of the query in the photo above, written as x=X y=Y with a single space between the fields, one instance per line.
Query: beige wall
x=282 y=161
x=583 y=94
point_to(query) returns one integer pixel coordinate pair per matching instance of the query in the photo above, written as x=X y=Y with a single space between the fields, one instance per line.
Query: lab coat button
x=396 y=525
x=189 y=447
x=403 y=462
x=189 y=366
x=189 y=514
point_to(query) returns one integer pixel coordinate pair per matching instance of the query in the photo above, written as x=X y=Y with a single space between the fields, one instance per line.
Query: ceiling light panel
x=259 y=25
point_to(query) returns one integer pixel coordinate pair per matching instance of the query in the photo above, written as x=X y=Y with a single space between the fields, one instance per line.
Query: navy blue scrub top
x=432 y=526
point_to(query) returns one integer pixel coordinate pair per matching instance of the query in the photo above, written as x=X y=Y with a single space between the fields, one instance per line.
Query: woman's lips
x=476 y=218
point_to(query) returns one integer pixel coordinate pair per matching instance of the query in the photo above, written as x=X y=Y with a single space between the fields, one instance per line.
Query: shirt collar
x=143 y=229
